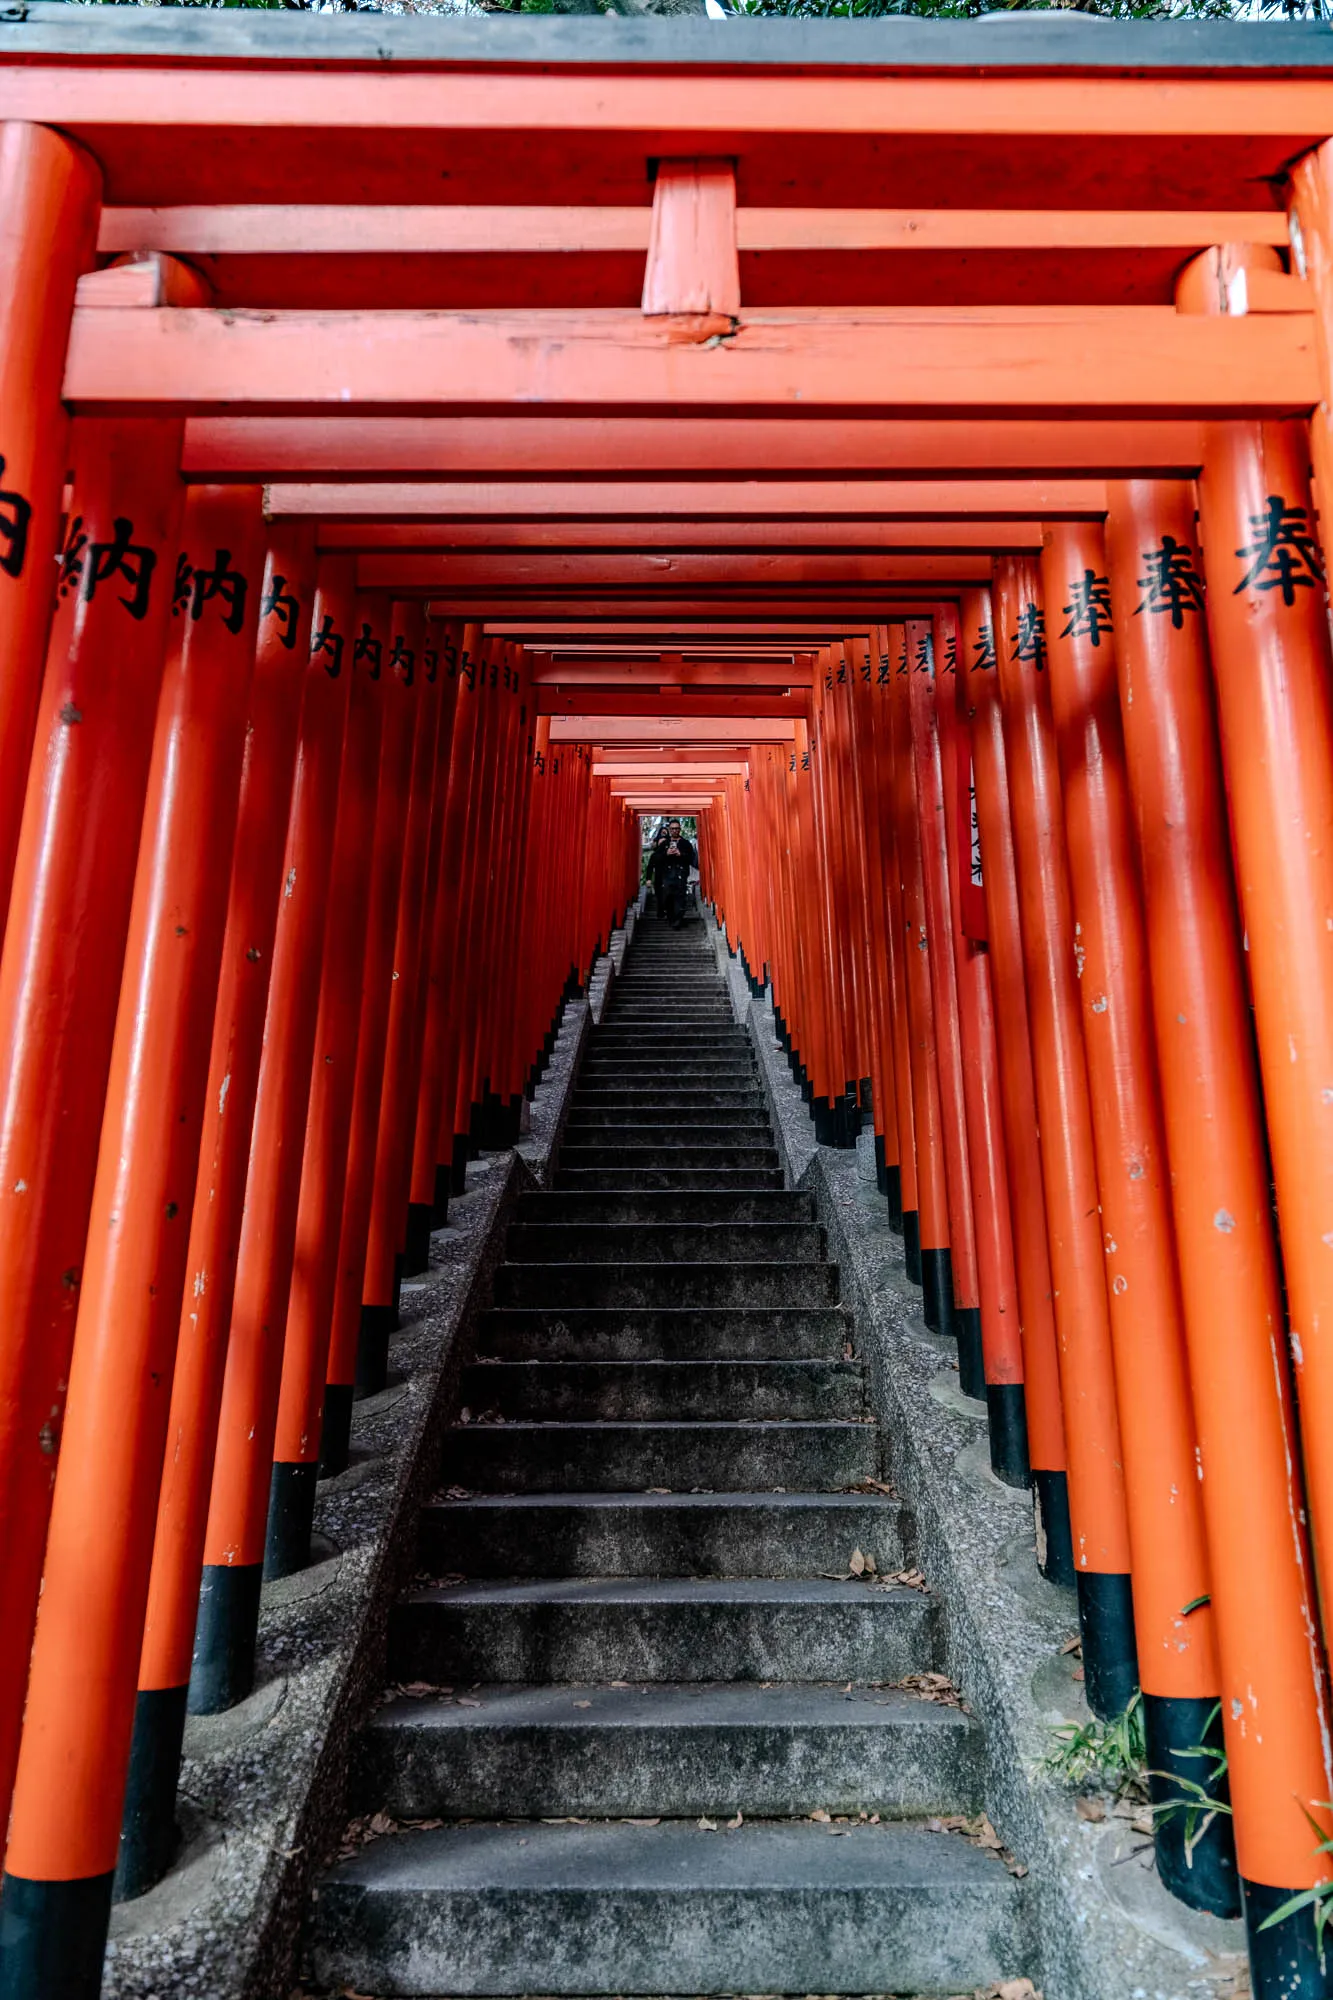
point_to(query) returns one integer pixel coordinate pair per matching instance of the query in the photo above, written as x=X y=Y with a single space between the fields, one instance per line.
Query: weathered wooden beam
x=683 y=729
x=1133 y=361
x=598 y=571
x=508 y=541
x=658 y=706
x=647 y=502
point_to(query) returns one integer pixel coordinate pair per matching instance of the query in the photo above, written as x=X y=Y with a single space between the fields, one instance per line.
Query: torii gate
x=666 y=453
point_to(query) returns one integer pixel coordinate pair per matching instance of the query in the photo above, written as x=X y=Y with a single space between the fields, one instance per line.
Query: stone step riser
x=567 y=1637
x=661 y=1118
x=651 y=1285
x=664 y=1242
x=666 y=1180
x=604 y=1157
x=531 y=1755
x=620 y=1534
x=386 y=1926
x=564 y=1209
x=665 y=1391
x=741 y=1335
x=681 y=1458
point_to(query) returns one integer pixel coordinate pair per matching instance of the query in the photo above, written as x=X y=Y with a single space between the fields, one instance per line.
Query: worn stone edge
x=263 y=1788
x=1103 y=1928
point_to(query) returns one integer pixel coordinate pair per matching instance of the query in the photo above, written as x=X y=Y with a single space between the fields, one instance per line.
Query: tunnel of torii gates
x=428 y=446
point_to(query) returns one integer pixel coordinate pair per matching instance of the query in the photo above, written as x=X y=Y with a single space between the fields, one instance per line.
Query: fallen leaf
x=820 y=1815
x=708 y=1826
x=1092 y=1810
x=739 y=1820
x=657 y=1489
x=1078 y=1674
x=1015 y=1989
x=583 y=1704
x=642 y=1822
x=466 y=1701
x=857 y=1563
x=1074 y=1645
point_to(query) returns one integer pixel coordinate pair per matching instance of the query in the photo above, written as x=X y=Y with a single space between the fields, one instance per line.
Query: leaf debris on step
x=932 y=1687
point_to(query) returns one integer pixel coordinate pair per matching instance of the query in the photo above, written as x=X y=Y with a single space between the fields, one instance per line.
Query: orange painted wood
x=531 y=446
x=1132 y=359
x=874 y=502
x=691 y=265
x=855 y=541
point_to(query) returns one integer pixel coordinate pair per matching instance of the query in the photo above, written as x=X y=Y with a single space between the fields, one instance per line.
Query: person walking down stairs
x=660 y=1705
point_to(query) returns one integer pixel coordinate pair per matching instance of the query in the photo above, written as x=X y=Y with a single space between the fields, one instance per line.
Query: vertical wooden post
x=228 y=1619
x=281 y=665
x=1069 y=1177
x=1177 y=1651
x=60 y=970
x=1041 y=1367
x=76 y=1738
x=50 y=201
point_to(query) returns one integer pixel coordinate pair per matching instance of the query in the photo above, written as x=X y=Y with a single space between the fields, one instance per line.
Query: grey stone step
x=775 y=1907
x=685 y=1180
x=631 y=1205
x=649 y=1100
x=619 y=1333
x=632 y=1457
x=660 y=1534
x=664 y=1391
x=605 y=1155
x=664 y=1242
x=661 y=1629
x=673 y=1120
x=728 y=1072
x=725 y=1284
x=672 y=1749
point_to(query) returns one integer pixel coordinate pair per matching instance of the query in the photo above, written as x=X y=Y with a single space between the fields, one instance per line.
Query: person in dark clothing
x=672 y=859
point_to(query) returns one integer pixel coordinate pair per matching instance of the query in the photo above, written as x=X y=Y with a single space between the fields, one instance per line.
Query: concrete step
x=724 y=1284
x=678 y=1750
x=701 y=1072
x=775 y=1907
x=664 y=1391
x=680 y=1458
x=619 y=1333
x=639 y=1206
x=684 y=1180
x=664 y=1242
x=660 y=1534
x=661 y=1629
x=605 y=1156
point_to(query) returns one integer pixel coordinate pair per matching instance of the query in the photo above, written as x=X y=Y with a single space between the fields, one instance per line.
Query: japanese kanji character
x=1171 y=583
x=279 y=603
x=1281 y=541
x=328 y=640
x=1030 y=638
x=15 y=521
x=1089 y=609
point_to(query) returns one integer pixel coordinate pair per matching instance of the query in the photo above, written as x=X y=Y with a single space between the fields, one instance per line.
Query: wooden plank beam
x=513 y=539
x=1134 y=361
x=685 y=729
x=626 y=502
x=527 y=446
x=556 y=672
x=659 y=706
x=601 y=571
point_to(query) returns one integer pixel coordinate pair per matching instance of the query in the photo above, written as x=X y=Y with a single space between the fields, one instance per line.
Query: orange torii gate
x=413 y=535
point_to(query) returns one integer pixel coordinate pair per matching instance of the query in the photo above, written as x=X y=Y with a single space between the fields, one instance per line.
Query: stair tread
x=578 y=1707
x=666 y=1592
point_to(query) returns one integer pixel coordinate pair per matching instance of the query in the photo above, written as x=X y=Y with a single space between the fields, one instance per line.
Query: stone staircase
x=653 y=1723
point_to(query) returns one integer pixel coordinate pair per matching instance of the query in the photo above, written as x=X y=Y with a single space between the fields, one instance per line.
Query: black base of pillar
x=881 y=1166
x=865 y=1095
x=1285 y=1962
x=971 y=1366
x=1110 y=1654
x=937 y=1292
x=1055 y=1536
x=894 y=1191
x=372 y=1349
x=291 y=1518
x=912 y=1245
x=416 y=1247
x=223 y=1672
x=53 y=1937
x=825 y=1111
x=1008 y=1420
x=807 y=1088
x=439 y=1212
x=335 y=1433
x=148 y=1823
x=1196 y=1864
x=462 y=1153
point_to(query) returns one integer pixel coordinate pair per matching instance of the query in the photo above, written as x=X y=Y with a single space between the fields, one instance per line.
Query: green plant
x=1195 y=1799
x=1112 y=1753
x=1320 y=1898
